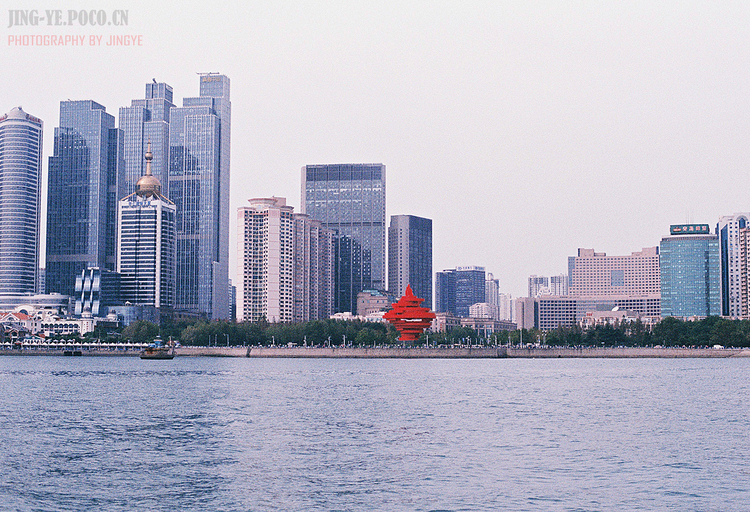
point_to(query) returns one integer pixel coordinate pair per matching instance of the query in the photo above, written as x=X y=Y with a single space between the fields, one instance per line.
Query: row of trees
x=669 y=332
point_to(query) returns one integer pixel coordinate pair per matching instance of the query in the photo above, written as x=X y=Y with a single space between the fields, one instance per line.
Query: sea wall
x=623 y=352
x=408 y=353
x=371 y=353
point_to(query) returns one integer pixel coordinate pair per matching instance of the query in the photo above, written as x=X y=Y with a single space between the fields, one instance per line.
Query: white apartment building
x=284 y=264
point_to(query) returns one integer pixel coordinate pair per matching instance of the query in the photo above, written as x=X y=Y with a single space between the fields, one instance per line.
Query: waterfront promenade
x=406 y=353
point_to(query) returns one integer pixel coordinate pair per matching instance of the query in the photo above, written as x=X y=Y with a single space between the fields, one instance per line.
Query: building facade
x=538 y=285
x=349 y=199
x=594 y=274
x=558 y=285
x=728 y=231
x=410 y=256
x=456 y=290
x=690 y=272
x=492 y=295
x=146 y=121
x=285 y=264
x=146 y=244
x=20 y=202
x=82 y=194
x=96 y=290
x=199 y=154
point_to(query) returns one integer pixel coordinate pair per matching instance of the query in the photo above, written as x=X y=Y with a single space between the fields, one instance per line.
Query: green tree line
x=669 y=332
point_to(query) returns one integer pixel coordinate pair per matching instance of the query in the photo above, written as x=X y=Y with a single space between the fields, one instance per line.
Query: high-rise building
x=538 y=285
x=728 y=231
x=458 y=289
x=410 y=256
x=507 y=307
x=492 y=295
x=558 y=285
x=146 y=244
x=745 y=272
x=20 y=193
x=82 y=194
x=146 y=121
x=285 y=264
x=199 y=138
x=445 y=291
x=690 y=270
x=594 y=274
x=350 y=200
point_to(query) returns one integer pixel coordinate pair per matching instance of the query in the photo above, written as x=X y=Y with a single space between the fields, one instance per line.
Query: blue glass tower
x=350 y=200
x=20 y=190
x=690 y=272
x=458 y=289
x=146 y=120
x=82 y=194
x=410 y=256
x=199 y=154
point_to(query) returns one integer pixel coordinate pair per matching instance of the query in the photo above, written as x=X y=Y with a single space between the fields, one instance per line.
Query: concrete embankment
x=373 y=353
x=623 y=352
x=73 y=352
x=408 y=353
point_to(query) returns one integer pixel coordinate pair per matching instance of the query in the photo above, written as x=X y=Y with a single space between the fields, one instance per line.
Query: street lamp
x=225 y=334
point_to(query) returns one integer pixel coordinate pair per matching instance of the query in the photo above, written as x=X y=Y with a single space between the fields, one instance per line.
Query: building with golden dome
x=146 y=238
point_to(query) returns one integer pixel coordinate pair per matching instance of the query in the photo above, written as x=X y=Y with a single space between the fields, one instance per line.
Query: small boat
x=159 y=350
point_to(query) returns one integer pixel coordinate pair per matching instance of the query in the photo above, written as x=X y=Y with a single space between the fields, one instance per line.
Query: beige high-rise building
x=594 y=274
x=284 y=264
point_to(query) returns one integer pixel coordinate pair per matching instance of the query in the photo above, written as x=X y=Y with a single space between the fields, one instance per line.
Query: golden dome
x=148 y=185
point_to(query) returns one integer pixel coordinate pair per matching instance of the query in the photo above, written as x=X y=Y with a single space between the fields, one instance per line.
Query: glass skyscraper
x=20 y=190
x=690 y=272
x=350 y=200
x=458 y=289
x=199 y=139
x=146 y=120
x=82 y=194
x=410 y=256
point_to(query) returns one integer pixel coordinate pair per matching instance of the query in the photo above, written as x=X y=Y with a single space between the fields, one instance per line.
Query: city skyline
x=617 y=120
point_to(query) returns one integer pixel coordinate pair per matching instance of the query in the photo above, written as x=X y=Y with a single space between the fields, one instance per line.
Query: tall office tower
x=20 y=199
x=458 y=289
x=728 y=230
x=558 y=285
x=146 y=121
x=350 y=200
x=507 y=309
x=538 y=285
x=492 y=295
x=445 y=291
x=690 y=270
x=285 y=264
x=82 y=194
x=199 y=135
x=146 y=244
x=410 y=256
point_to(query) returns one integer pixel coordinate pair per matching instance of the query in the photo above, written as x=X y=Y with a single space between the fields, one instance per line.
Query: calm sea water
x=85 y=434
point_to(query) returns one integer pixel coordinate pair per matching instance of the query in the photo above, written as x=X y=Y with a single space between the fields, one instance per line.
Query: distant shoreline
x=410 y=353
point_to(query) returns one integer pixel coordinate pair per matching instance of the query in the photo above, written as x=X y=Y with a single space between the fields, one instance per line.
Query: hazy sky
x=524 y=130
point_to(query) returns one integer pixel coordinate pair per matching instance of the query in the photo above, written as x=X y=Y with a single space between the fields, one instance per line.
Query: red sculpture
x=408 y=318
